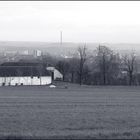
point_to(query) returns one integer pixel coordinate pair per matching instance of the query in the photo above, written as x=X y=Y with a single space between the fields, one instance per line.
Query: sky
x=79 y=21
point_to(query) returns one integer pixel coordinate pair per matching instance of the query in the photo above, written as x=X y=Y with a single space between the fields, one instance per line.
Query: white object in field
x=57 y=74
x=52 y=86
x=27 y=80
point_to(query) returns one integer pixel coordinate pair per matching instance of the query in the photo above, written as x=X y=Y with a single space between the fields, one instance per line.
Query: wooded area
x=103 y=66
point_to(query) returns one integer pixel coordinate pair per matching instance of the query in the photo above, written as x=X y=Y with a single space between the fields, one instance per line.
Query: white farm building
x=24 y=73
x=21 y=73
x=25 y=80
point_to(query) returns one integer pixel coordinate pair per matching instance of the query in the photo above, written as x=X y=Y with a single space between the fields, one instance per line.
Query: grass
x=73 y=112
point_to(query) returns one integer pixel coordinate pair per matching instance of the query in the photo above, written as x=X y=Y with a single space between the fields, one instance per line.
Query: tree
x=130 y=65
x=86 y=75
x=113 y=70
x=73 y=63
x=63 y=67
x=106 y=65
x=82 y=53
x=102 y=61
x=48 y=60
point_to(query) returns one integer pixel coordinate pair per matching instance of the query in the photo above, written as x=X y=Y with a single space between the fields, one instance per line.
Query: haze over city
x=92 y=21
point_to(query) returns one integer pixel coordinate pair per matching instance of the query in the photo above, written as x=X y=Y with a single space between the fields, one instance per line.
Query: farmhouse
x=21 y=73
x=27 y=73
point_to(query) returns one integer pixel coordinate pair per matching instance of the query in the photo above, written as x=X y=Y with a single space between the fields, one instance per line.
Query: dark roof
x=23 y=69
x=20 y=64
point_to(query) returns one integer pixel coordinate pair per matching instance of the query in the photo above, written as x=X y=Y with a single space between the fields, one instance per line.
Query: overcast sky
x=80 y=21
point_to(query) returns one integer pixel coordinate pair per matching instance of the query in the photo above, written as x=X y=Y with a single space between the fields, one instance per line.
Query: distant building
x=10 y=53
x=25 y=52
x=37 y=53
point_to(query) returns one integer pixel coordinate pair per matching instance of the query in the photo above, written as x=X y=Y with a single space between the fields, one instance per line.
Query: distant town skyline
x=80 y=21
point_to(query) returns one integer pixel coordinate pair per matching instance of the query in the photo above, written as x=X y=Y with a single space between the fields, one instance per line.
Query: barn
x=21 y=73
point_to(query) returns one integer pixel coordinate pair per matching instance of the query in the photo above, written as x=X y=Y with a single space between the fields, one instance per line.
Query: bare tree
x=130 y=65
x=101 y=60
x=82 y=52
x=63 y=67
x=106 y=65
x=113 y=70
x=73 y=63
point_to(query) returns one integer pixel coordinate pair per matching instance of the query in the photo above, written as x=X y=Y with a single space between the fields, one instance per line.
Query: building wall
x=43 y=80
x=57 y=74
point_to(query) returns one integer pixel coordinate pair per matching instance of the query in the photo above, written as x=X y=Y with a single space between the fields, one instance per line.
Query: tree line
x=103 y=66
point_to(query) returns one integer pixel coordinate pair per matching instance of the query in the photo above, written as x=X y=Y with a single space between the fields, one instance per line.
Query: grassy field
x=73 y=112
